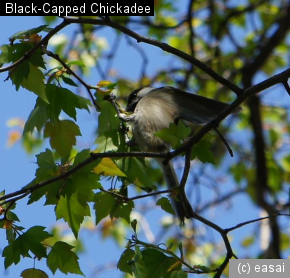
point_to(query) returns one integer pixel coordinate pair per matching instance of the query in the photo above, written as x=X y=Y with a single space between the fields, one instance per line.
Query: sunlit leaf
x=72 y=211
x=77 y=63
x=107 y=167
x=35 y=82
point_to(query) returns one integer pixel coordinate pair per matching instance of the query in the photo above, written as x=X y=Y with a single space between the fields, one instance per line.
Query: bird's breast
x=152 y=115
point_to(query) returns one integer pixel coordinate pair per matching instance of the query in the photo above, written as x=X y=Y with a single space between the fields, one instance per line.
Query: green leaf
x=37 y=117
x=123 y=210
x=81 y=157
x=176 y=274
x=108 y=141
x=165 y=204
x=174 y=134
x=36 y=59
x=156 y=263
x=139 y=267
x=47 y=169
x=68 y=81
x=203 y=268
x=35 y=82
x=77 y=63
x=33 y=273
x=12 y=216
x=62 y=99
x=202 y=151
x=169 y=135
x=85 y=183
x=126 y=257
x=19 y=74
x=6 y=54
x=137 y=172
x=62 y=136
x=30 y=241
x=11 y=256
x=183 y=131
x=47 y=166
x=107 y=118
x=72 y=211
x=274 y=136
x=104 y=204
x=63 y=258
x=27 y=33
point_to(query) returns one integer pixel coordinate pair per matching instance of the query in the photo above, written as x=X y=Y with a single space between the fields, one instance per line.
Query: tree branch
x=93 y=157
x=161 y=45
x=253 y=221
x=276 y=79
x=87 y=86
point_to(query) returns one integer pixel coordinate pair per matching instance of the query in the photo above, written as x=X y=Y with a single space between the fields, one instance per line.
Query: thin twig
x=220 y=200
x=186 y=170
x=224 y=141
x=253 y=221
x=143 y=56
x=128 y=199
x=69 y=71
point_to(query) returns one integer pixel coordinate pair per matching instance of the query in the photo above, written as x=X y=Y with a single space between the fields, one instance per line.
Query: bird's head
x=136 y=96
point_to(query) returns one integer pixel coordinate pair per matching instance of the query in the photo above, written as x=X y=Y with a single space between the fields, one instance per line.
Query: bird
x=153 y=109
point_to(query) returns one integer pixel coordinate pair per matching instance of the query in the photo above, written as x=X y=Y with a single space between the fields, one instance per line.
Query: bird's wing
x=195 y=108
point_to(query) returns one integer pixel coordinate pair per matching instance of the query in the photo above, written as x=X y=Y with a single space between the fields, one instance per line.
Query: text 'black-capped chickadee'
x=154 y=109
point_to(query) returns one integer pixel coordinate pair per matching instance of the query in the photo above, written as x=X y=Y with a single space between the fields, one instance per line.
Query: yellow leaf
x=8 y=224
x=35 y=38
x=2 y=210
x=13 y=137
x=59 y=73
x=104 y=83
x=107 y=167
x=15 y=122
x=196 y=22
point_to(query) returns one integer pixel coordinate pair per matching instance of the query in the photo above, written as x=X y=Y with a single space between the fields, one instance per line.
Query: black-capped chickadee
x=154 y=109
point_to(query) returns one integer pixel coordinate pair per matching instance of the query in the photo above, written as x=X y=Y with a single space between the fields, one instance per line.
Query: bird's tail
x=180 y=202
